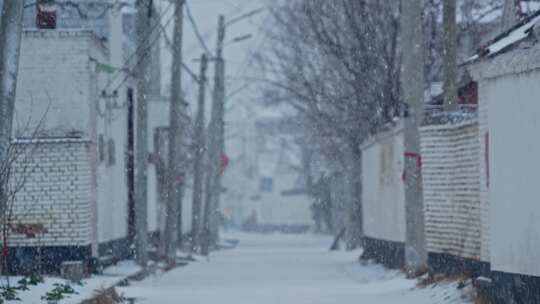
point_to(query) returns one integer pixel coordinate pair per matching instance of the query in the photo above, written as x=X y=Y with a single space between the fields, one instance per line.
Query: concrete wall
x=483 y=161
x=55 y=79
x=383 y=197
x=514 y=171
x=110 y=170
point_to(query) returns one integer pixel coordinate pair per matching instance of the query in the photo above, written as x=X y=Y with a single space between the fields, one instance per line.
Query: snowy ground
x=110 y=276
x=286 y=269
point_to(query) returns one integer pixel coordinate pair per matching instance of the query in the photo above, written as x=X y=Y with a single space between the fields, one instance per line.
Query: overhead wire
x=139 y=48
x=248 y=61
x=184 y=66
x=147 y=50
x=210 y=33
x=196 y=30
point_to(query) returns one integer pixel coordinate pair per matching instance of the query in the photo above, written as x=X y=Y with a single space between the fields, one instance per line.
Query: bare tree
x=14 y=170
x=472 y=30
x=10 y=43
x=335 y=62
x=510 y=14
x=450 y=55
x=338 y=66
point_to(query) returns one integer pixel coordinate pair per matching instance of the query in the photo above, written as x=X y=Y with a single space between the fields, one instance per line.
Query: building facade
x=73 y=135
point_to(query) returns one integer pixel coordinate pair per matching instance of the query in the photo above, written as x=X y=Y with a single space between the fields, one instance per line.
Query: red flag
x=224 y=163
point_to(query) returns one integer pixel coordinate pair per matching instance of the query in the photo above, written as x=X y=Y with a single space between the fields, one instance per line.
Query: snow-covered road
x=293 y=269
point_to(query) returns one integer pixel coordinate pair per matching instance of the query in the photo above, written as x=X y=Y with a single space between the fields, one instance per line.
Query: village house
x=75 y=120
x=479 y=167
x=507 y=72
x=276 y=196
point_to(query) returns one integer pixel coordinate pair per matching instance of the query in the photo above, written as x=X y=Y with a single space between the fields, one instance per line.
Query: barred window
x=101 y=148
x=111 y=149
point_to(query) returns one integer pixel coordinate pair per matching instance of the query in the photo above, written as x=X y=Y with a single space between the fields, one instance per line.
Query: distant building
x=273 y=178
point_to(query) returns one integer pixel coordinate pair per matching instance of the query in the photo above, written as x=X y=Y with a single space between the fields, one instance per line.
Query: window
x=101 y=148
x=111 y=151
x=46 y=14
x=266 y=184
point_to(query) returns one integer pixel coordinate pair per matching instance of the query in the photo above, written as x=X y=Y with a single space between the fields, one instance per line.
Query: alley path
x=275 y=269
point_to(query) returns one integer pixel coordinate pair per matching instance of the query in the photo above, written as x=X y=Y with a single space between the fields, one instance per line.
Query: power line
x=196 y=30
x=243 y=16
x=248 y=60
x=184 y=66
x=210 y=33
x=146 y=52
x=132 y=55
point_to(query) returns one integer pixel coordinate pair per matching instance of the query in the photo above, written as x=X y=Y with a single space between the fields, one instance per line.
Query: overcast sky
x=237 y=55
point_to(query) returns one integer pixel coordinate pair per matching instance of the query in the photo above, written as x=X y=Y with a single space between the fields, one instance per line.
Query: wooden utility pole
x=200 y=147
x=511 y=10
x=142 y=30
x=450 y=56
x=10 y=44
x=177 y=126
x=412 y=80
x=215 y=144
x=216 y=219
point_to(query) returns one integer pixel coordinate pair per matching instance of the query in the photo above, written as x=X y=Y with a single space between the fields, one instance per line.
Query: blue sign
x=266 y=184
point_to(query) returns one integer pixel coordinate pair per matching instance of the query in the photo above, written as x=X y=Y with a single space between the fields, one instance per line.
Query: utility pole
x=220 y=96
x=199 y=158
x=142 y=28
x=213 y=187
x=511 y=11
x=10 y=44
x=412 y=80
x=216 y=219
x=450 y=56
x=178 y=116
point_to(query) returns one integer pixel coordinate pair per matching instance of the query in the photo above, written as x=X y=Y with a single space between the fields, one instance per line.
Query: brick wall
x=451 y=180
x=56 y=192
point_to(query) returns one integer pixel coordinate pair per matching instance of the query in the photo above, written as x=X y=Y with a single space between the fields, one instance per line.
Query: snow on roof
x=529 y=6
x=508 y=39
x=514 y=36
x=492 y=13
